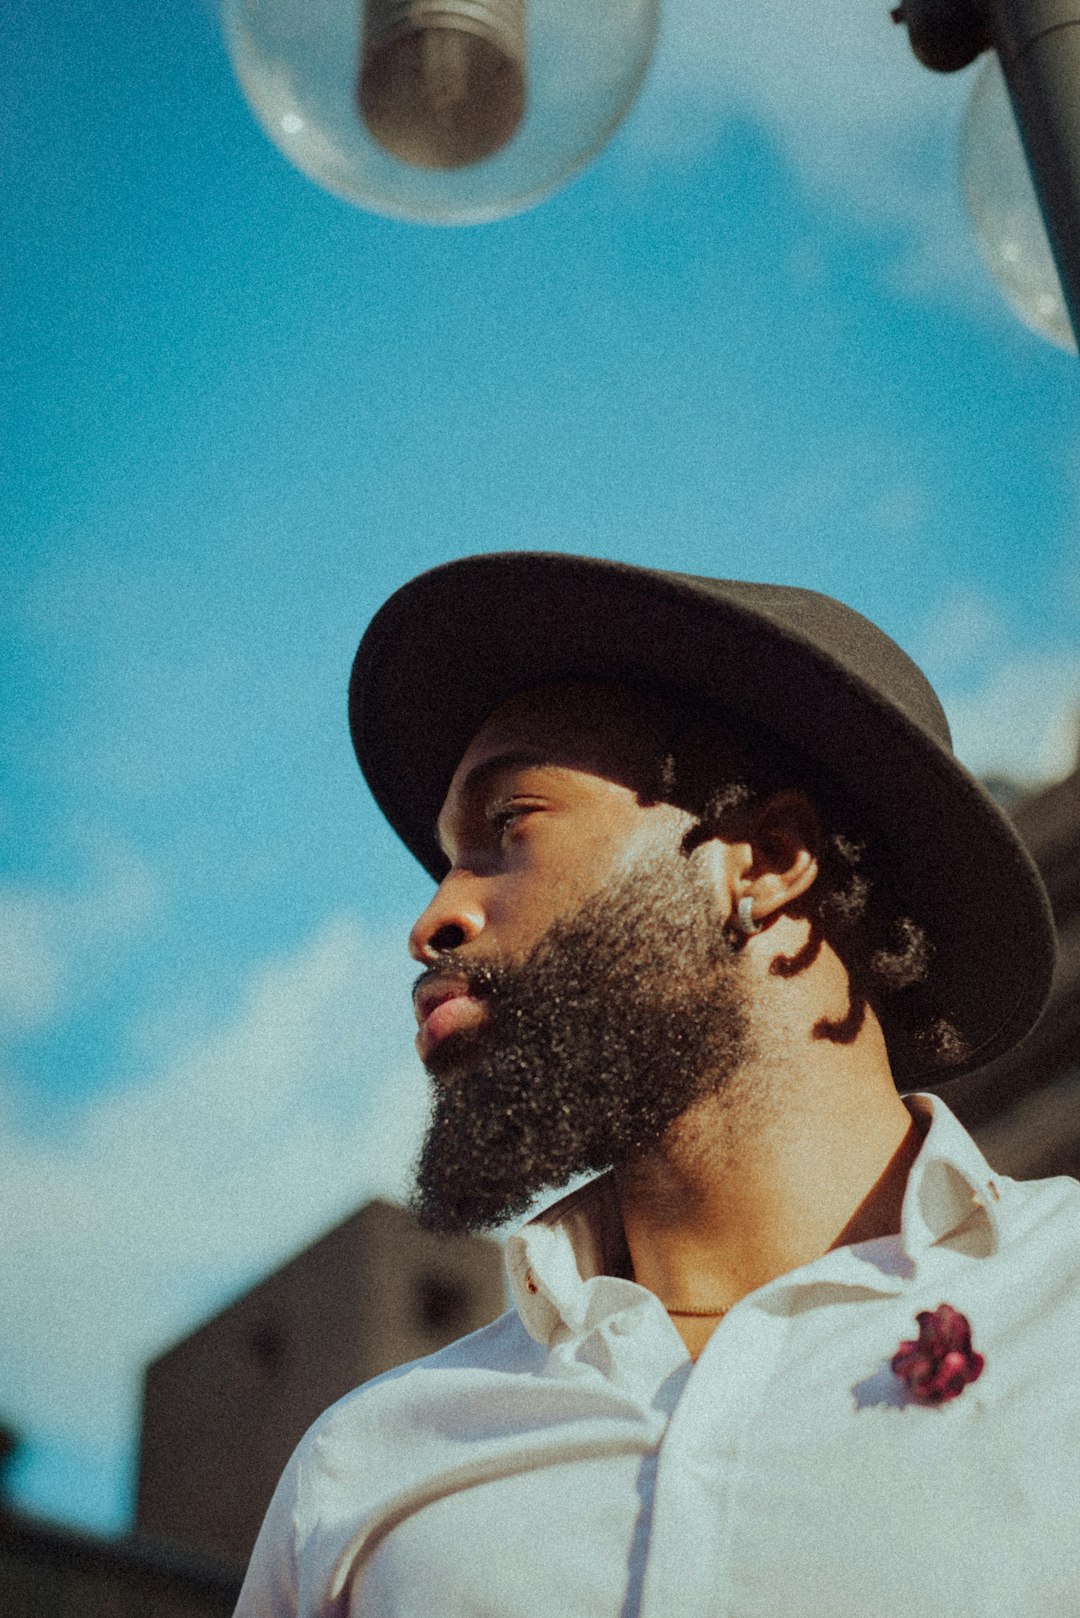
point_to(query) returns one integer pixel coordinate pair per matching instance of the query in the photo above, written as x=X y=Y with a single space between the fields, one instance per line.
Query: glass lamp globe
x=1004 y=209
x=449 y=112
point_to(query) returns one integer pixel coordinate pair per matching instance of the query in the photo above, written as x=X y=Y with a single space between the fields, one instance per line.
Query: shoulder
x=1031 y=1283
x=399 y=1425
x=409 y=1397
x=1040 y=1215
x=371 y=1448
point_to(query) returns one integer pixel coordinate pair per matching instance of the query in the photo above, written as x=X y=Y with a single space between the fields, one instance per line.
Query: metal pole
x=1038 y=42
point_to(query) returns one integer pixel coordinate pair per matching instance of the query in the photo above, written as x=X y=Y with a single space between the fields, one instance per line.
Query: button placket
x=699 y=1470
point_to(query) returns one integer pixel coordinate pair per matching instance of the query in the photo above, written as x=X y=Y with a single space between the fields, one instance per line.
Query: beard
x=623 y=1016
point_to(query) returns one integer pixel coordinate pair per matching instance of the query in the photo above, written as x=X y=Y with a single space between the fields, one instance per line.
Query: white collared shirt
x=570 y=1461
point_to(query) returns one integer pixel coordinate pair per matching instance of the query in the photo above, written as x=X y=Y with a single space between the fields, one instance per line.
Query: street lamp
x=462 y=111
x=440 y=111
x=1038 y=45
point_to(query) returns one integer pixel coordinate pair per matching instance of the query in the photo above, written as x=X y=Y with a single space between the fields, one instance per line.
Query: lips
x=444 y=1006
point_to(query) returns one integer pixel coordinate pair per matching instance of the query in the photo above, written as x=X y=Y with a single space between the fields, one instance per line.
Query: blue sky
x=754 y=339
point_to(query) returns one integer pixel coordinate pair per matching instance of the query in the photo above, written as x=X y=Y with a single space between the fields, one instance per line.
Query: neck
x=806 y=1149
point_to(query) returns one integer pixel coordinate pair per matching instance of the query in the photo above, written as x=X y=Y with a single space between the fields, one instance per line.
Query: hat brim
x=453 y=644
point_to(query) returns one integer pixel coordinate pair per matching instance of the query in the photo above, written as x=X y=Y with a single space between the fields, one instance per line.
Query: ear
x=781 y=854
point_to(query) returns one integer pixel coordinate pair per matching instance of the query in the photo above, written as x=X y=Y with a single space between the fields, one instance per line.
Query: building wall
x=1024 y=1110
x=224 y=1409
x=48 y=1572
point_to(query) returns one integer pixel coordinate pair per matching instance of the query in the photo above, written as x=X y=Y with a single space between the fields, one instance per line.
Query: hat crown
x=841 y=635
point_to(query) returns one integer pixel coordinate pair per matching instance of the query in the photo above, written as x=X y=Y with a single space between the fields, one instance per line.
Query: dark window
x=443 y=1304
x=267 y=1343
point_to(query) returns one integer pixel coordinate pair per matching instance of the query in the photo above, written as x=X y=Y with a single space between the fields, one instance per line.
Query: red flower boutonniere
x=941 y=1362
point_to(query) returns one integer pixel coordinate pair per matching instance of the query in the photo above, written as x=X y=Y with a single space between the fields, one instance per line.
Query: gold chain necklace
x=698 y=1314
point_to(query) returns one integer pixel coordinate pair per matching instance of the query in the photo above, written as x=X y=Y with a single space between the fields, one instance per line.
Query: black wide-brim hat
x=453 y=644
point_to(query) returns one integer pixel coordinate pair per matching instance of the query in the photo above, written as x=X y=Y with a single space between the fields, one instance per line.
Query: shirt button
x=993 y=1190
x=530 y=1284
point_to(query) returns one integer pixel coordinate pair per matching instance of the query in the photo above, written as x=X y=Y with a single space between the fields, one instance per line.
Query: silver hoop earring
x=745 y=917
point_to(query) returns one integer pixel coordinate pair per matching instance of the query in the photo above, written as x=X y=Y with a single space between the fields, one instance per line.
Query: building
x=224 y=1409
x=50 y=1572
x=1024 y=1109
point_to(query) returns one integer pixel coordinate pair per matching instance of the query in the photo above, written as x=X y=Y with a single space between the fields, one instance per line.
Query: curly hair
x=720 y=767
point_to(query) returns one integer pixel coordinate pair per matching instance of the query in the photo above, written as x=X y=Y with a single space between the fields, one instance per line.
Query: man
x=712 y=892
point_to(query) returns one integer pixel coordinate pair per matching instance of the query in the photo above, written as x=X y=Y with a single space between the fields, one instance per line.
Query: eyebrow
x=480 y=774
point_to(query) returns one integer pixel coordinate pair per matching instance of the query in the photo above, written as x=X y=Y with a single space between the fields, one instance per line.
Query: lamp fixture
x=440 y=111
x=1004 y=210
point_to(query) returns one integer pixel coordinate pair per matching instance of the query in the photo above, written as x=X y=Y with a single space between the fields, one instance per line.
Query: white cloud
x=30 y=968
x=961 y=632
x=861 y=121
x=1022 y=719
x=838 y=84
x=1012 y=713
x=55 y=946
x=168 y=1194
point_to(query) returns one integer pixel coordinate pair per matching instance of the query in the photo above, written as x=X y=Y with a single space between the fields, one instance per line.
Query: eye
x=504 y=815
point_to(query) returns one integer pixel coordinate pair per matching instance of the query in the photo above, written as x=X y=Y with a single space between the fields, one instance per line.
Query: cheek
x=557 y=863
x=523 y=903
x=654 y=839
x=523 y=908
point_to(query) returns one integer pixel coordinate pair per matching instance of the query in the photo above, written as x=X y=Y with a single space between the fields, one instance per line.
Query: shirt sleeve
x=270 y=1587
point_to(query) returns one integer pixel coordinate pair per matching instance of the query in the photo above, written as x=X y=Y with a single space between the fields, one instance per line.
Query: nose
x=453 y=918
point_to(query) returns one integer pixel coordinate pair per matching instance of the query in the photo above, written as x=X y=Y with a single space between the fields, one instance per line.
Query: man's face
x=581 y=993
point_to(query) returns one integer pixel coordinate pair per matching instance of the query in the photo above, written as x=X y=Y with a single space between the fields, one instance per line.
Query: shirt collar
x=950 y=1183
x=567 y=1266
